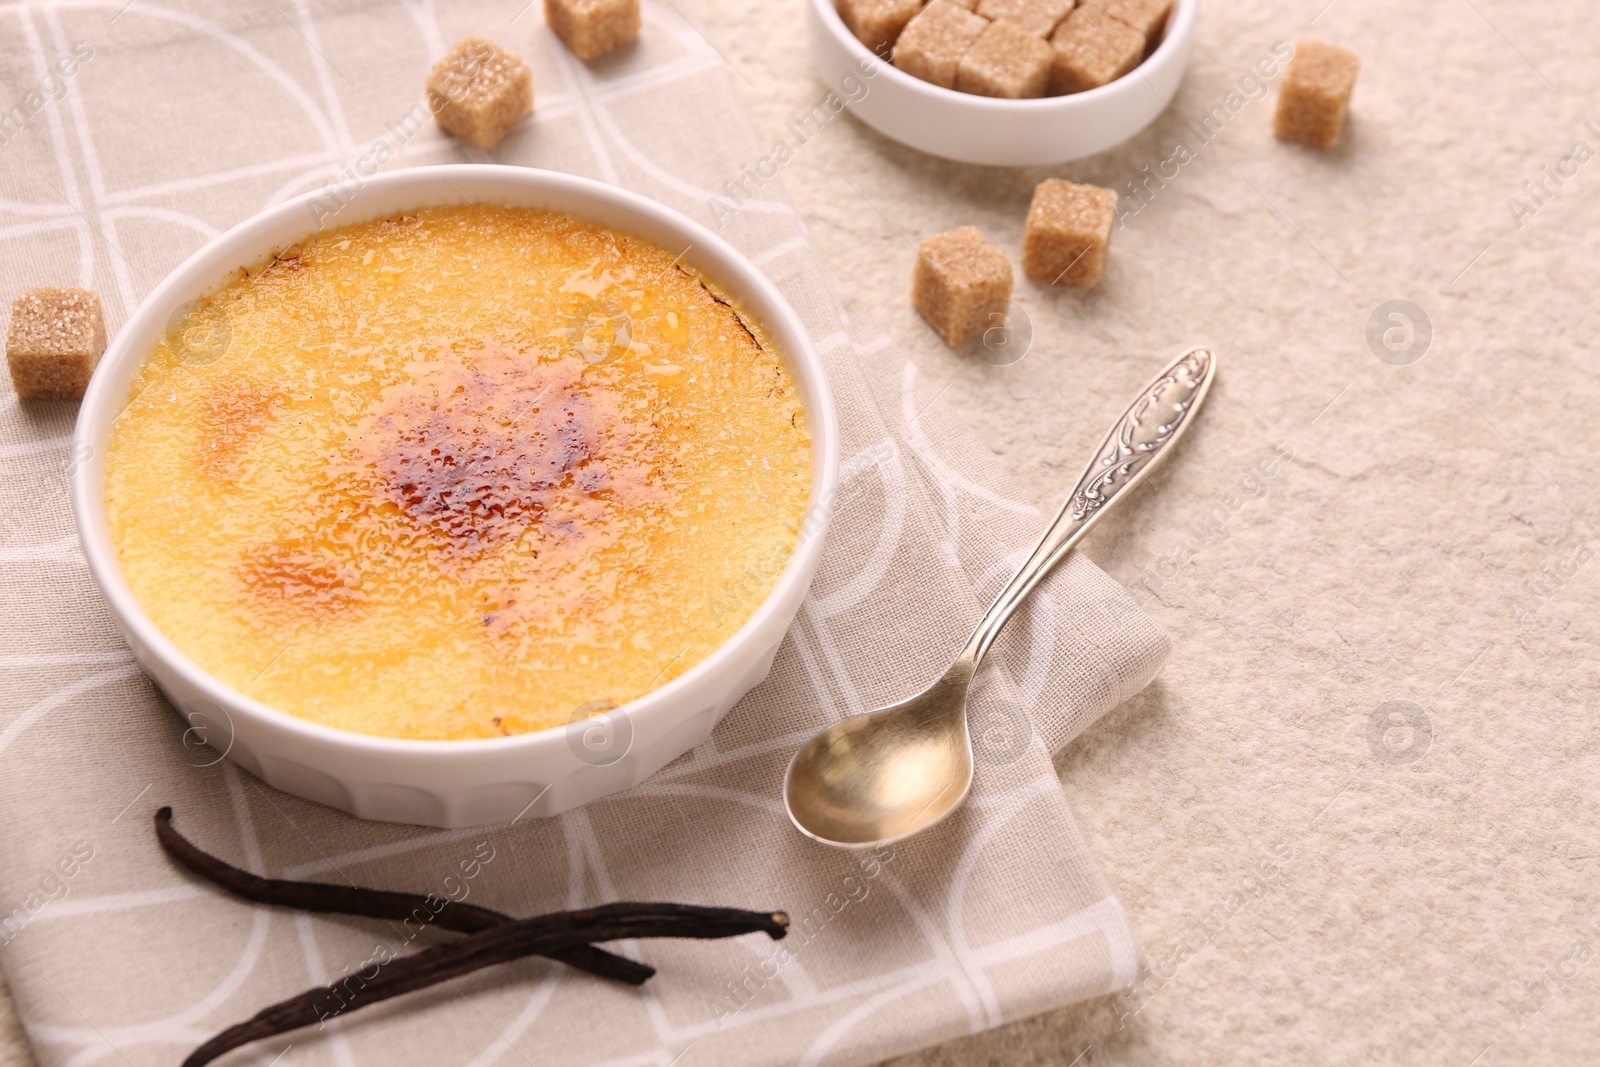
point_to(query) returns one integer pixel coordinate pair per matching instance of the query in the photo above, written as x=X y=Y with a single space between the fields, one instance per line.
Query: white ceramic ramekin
x=981 y=129
x=457 y=783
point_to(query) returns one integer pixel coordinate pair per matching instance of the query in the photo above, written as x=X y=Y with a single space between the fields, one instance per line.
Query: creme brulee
x=465 y=472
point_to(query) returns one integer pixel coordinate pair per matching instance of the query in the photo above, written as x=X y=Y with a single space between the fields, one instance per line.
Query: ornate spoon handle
x=1141 y=438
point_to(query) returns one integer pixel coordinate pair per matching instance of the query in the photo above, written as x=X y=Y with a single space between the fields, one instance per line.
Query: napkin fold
x=186 y=118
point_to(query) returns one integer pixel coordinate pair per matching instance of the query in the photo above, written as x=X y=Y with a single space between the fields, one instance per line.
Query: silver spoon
x=883 y=776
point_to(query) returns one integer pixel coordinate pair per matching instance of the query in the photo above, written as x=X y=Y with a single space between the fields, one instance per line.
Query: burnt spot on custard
x=232 y=414
x=295 y=575
x=717 y=297
x=290 y=260
x=480 y=450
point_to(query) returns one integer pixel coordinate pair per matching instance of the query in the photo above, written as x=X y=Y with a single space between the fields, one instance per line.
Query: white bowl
x=457 y=783
x=982 y=129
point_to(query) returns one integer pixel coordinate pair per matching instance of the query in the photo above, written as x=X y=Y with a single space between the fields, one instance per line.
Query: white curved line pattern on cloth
x=532 y=1009
x=24 y=207
x=614 y=136
x=595 y=866
x=629 y=84
x=708 y=792
x=891 y=475
x=195 y=183
x=779 y=250
x=849 y=702
x=824 y=657
x=51 y=224
x=185 y=1021
x=536 y=1002
x=422 y=13
x=948 y=964
x=91 y=163
x=871 y=1006
x=576 y=76
x=1105 y=918
x=426 y=839
x=161 y=214
x=319 y=61
x=992 y=823
x=819 y=608
x=539 y=1000
x=793 y=974
x=179 y=1026
x=73 y=907
x=64 y=550
x=849 y=991
x=1041 y=615
x=69 y=180
x=305 y=935
x=28 y=448
x=703 y=759
x=64 y=659
x=928 y=454
x=144 y=9
x=552 y=107
x=61 y=696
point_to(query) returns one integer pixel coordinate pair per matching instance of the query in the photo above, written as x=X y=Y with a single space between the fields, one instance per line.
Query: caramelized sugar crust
x=457 y=474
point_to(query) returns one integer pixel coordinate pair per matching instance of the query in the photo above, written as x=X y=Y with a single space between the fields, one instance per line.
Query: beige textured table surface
x=1338 y=534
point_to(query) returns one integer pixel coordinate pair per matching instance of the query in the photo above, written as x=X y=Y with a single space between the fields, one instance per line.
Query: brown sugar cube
x=56 y=338
x=1038 y=17
x=1315 y=94
x=960 y=277
x=1092 y=49
x=877 y=23
x=591 y=28
x=1068 y=233
x=933 y=43
x=1149 y=17
x=1005 y=61
x=478 y=91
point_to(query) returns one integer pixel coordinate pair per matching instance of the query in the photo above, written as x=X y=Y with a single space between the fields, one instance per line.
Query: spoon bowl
x=876 y=778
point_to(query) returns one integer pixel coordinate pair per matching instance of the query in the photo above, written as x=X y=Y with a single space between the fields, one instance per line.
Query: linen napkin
x=180 y=119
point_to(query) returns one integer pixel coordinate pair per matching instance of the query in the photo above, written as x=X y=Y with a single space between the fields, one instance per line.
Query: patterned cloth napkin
x=177 y=121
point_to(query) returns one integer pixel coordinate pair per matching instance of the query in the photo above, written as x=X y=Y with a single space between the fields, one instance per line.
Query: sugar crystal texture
x=478 y=91
x=1314 y=96
x=1148 y=17
x=55 y=339
x=1005 y=62
x=934 y=42
x=1036 y=17
x=1093 y=49
x=1068 y=233
x=591 y=28
x=959 y=281
x=877 y=23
